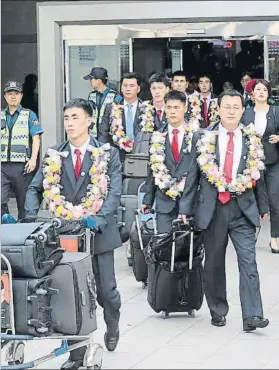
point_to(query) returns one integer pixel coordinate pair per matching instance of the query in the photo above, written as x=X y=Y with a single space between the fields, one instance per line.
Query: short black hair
x=263 y=82
x=179 y=74
x=250 y=74
x=205 y=75
x=159 y=77
x=130 y=75
x=230 y=93
x=79 y=103
x=176 y=95
x=228 y=85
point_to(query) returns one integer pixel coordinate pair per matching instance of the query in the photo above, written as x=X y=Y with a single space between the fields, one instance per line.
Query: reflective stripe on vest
x=18 y=137
x=108 y=99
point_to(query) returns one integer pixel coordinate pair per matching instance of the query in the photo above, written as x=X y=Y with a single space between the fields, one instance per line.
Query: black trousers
x=271 y=176
x=12 y=179
x=229 y=221
x=164 y=220
x=108 y=296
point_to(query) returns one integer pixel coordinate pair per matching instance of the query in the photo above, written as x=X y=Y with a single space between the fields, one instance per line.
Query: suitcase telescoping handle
x=176 y=225
x=137 y=213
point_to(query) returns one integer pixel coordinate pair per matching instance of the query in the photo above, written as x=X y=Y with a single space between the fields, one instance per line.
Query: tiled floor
x=149 y=342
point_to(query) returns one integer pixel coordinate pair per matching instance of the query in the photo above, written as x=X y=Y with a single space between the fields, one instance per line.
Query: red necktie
x=205 y=111
x=78 y=163
x=228 y=166
x=174 y=145
x=159 y=114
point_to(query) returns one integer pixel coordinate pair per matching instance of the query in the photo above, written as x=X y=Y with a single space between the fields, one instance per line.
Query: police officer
x=20 y=145
x=100 y=96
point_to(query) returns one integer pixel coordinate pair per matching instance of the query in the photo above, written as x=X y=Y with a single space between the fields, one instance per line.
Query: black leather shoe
x=111 y=342
x=218 y=321
x=72 y=365
x=252 y=323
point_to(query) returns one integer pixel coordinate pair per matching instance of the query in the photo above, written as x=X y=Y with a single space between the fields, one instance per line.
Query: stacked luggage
x=53 y=290
x=175 y=270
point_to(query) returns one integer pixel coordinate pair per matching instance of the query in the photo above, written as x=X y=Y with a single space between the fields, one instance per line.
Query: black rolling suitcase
x=141 y=233
x=32 y=248
x=32 y=306
x=74 y=306
x=175 y=285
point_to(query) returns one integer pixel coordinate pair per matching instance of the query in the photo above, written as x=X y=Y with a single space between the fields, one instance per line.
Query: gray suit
x=166 y=208
x=271 y=152
x=108 y=237
x=236 y=219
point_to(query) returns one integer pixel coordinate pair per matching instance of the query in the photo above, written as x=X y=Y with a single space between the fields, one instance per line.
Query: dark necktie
x=78 y=162
x=205 y=111
x=174 y=145
x=228 y=167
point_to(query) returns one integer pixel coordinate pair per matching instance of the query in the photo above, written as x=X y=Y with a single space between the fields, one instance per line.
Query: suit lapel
x=67 y=163
x=182 y=153
x=136 y=120
x=169 y=153
x=243 y=158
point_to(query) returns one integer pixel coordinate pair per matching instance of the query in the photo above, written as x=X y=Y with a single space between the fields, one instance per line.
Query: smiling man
x=80 y=155
x=20 y=145
x=225 y=191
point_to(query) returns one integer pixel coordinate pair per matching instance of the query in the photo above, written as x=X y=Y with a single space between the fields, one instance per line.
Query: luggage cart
x=15 y=344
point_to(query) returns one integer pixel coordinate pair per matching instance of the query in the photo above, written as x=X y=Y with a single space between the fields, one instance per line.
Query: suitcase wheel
x=130 y=262
x=93 y=357
x=192 y=313
x=165 y=314
x=144 y=284
x=16 y=353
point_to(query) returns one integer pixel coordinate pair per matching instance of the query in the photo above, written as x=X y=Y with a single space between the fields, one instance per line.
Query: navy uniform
x=17 y=132
x=99 y=100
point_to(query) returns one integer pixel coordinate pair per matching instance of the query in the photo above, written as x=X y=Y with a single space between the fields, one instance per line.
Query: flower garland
x=195 y=104
x=171 y=186
x=97 y=189
x=207 y=161
x=213 y=112
x=117 y=129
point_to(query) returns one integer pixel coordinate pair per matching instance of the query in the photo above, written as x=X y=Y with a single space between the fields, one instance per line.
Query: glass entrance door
x=272 y=64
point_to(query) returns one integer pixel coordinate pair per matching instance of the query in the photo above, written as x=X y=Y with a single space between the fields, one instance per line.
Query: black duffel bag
x=160 y=246
x=31 y=248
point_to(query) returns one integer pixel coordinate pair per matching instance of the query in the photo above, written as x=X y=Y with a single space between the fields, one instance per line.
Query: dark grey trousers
x=229 y=221
x=108 y=296
x=12 y=179
x=271 y=176
x=164 y=221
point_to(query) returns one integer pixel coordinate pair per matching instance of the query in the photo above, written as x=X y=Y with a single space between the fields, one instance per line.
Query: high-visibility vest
x=15 y=142
x=98 y=114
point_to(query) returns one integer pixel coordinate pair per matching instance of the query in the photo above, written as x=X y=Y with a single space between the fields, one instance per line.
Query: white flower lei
x=97 y=189
x=117 y=129
x=210 y=169
x=171 y=186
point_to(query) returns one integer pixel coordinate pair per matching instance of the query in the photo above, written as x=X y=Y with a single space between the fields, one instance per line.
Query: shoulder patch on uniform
x=35 y=122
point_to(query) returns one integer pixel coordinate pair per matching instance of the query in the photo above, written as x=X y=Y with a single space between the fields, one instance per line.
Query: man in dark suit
x=204 y=106
x=75 y=178
x=174 y=158
x=129 y=113
x=223 y=212
x=159 y=87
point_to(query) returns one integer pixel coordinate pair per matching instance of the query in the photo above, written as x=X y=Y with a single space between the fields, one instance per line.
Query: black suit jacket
x=200 y=196
x=74 y=190
x=271 y=151
x=202 y=120
x=164 y=204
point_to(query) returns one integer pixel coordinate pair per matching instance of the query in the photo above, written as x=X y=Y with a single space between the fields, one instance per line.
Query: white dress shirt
x=161 y=109
x=208 y=98
x=134 y=108
x=223 y=139
x=180 y=135
x=82 y=149
x=260 y=122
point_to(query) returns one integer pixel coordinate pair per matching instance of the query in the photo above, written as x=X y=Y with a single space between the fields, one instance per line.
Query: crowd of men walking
x=206 y=161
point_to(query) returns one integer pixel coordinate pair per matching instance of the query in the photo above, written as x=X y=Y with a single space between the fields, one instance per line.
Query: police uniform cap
x=98 y=73
x=13 y=86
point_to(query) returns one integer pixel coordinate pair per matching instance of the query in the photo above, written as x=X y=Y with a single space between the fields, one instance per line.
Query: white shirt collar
x=224 y=131
x=180 y=128
x=82 y=148
x=135 y=104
